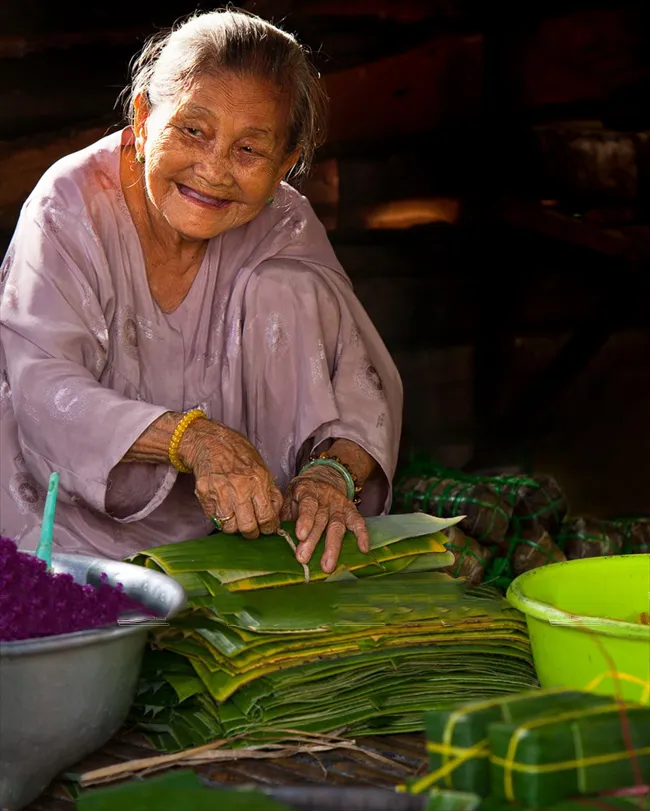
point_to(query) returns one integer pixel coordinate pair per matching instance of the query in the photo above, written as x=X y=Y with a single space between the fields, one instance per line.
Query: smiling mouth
x=205 y=200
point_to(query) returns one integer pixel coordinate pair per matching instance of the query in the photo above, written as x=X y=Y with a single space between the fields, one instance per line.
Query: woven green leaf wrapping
x=530 y=502
x=587 y=537
x=470 y=557
x=567 y=754
x=537 y=501
x=520 y=514
x=486 y=514
x=461 y=732
x=637 y=535
x=530 y=548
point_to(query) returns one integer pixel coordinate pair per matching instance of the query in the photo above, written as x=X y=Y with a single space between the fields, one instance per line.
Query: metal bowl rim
x=101 y=635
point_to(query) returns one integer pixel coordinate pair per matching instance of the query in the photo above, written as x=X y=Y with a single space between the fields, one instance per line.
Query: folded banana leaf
x=561 y=755
x=398 y=543
x=537 y=748
x=461 y=732
x=341 y=605
x=377 y=695
x=452 y=801
x=367 y=650
x=365 y=656
x=185 y=791
x=633 y=802
x=180 y=791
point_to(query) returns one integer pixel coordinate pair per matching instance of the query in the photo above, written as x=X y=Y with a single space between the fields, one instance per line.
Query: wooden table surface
x=335 y=768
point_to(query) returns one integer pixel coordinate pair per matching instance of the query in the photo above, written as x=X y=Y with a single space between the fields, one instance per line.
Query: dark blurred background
x=486 y=184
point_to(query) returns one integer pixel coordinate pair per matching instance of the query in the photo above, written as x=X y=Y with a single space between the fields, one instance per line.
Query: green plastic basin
x=583 y=621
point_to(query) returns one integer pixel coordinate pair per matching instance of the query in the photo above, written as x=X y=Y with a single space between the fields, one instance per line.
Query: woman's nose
x=215 y=170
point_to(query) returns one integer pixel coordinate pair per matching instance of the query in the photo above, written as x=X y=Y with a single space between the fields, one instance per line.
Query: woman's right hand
x=232 y=482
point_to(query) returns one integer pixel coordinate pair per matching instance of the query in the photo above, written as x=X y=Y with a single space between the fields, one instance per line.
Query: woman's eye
x=193 y=131
x=248 y=150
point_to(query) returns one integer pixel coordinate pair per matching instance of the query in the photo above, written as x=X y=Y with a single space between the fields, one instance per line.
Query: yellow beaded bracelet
x=177 y=436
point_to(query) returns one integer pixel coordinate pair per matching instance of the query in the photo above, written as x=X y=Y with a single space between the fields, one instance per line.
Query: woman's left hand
x=317 y=501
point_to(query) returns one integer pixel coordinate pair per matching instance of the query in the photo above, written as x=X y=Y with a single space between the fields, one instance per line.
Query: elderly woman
x=179 y=341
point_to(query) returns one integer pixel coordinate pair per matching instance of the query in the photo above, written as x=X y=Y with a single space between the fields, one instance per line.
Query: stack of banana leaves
x=267 y=645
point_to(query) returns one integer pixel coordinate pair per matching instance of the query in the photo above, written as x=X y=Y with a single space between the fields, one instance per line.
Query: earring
x=270 y=200
x=139 y=157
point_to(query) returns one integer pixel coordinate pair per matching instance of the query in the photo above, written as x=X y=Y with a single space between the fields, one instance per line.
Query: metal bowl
x=62 y=697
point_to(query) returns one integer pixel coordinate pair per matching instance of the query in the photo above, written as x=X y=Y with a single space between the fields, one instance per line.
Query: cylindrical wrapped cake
x=470 y=558
x=637 y=536
x=537 y=501
x=487 y=515
x=588 y=537
x=534 y=550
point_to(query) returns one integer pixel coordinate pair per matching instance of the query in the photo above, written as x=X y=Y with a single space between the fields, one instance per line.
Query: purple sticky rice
x=36 y=603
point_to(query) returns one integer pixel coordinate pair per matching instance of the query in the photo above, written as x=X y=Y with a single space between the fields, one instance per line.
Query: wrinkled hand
x=317 y=501
x=232 y=480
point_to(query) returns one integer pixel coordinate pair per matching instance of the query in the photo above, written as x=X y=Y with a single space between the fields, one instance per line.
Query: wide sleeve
x=315 y=370
x=55 y=341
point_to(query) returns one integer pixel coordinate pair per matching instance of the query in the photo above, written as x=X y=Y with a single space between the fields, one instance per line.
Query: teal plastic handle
x=44 y=551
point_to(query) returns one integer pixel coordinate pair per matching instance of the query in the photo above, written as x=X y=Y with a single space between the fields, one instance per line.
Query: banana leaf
x=179 y=791
x=535 y=748
x=210 y=678
x=340 y=605
x=297 y=653
x=236 y=644
x=452 y=801
x=397 y=543
x=371 y=700
x=465 y=727
x=561 y=755
x=184 y=791
x=369 y=650
x=242 y=648
x=634 y=802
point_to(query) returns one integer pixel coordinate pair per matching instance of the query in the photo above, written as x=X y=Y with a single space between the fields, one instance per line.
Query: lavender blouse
x=270 y=340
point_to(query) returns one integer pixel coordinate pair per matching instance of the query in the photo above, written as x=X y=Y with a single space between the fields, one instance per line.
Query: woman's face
x=214 y=155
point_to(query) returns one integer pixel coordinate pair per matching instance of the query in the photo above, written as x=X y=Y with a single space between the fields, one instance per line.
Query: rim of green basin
x=565 y=619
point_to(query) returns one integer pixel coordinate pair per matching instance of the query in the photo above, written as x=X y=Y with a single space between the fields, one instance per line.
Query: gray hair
x=244 y=44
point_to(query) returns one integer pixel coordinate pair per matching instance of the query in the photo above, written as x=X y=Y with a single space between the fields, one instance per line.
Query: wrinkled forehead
x=249 y=101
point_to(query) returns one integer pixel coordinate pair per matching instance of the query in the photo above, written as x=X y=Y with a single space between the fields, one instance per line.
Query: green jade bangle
x=349 y=481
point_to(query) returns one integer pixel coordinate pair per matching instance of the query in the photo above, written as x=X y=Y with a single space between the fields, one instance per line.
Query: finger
x=213 y=505
x=266 y=516
x=246 y=520
x=205 y=497
x=307 y=509
x=306 y=548
x=277 y=500
x=333 y=542
x=355 y=523
x=229 y=527
x=289 y=511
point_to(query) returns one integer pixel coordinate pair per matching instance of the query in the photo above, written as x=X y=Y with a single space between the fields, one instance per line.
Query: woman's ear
x=287 y=165
x=141 y=114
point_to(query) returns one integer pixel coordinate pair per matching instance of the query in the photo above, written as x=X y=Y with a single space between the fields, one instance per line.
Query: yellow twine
x=480 y=750
x=566 y=765
x=466 y=710
x=509 y=764
x=612 y=674
x=455 y=751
